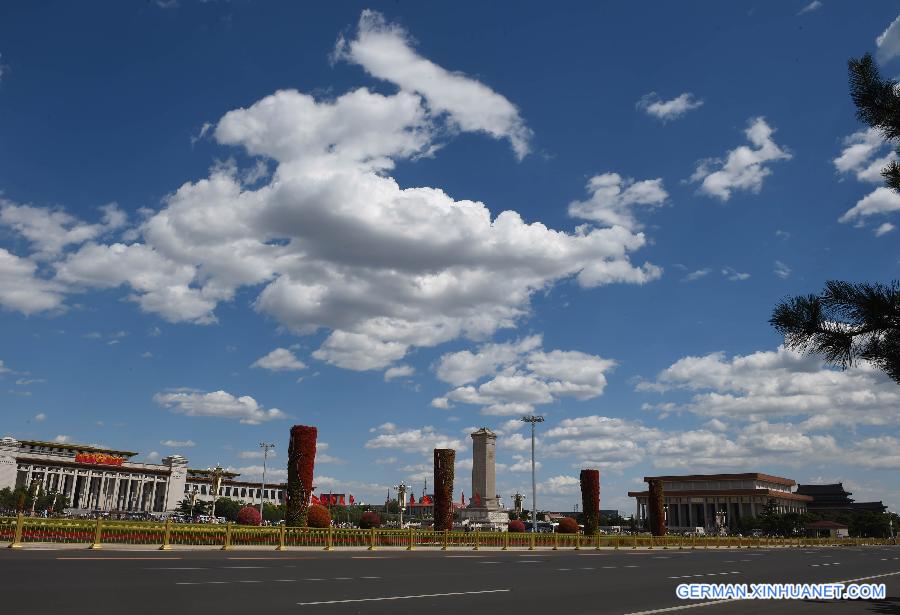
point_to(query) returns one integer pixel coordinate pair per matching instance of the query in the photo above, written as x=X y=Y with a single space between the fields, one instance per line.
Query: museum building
x=711 y=500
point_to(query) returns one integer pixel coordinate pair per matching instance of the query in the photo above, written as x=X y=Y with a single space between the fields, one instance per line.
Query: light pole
x=401 y=501
x=533 y=420
x=266 y=447
x=216 y=485
x=194 y=493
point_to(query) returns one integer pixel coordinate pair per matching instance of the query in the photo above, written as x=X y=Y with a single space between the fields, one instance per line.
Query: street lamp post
x=216 y=485
x=533 y=420
x=194 y=493
x=266 y=447
x=401 y=501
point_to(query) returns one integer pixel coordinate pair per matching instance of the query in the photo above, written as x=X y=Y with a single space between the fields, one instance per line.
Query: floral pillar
x=301 y=460
x=444 y=459
x=655 y=511
x=590 y=500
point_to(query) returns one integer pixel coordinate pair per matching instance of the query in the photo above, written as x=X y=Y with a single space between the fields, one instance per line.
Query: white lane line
x=314 y=579
x=609 y=567
x=285 y=580
x=682 y=607
x=631 y=566
x=483 y=591
x=369 y=577
x=587 y=568
x=246 y=581
x=342 y=579
x=563 y=569
x=243 y=567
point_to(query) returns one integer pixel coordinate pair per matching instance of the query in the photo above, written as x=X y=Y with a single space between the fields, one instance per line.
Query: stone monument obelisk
x=484 y=504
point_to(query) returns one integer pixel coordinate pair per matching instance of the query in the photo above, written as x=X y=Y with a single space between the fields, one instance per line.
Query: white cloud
x=782 y=270
x=22 y=290
x=152 y=456
x=880 y=201
x=744 y=167
x=386 y=52
x=178 y=443
x=3 y=368
x=666 y=110
x=280 y=360
x=399 y=371
x=612 y=199
x=865 y=154
x=218 y=404
x=559 y=485
x=884 y=229
x=62 y=439
x=329 y=241
x=255 y=472
x=40 y=417
x=259 y=454
x=423 y=440
x=734 y=275
x=521 y=376
x=696 y=275
x=51 y=230
x=888 y=42
x=815 y=5
x=780 y=383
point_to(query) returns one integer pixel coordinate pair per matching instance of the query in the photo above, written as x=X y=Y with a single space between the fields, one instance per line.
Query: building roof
x=78 y=448
x=831 y=489
x=768 y=493
x=743 y=476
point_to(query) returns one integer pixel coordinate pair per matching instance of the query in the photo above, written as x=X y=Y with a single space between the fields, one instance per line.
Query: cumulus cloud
x=884 y=229
x=386 y=52
x=399 y=371
x=49 y=231
x=218 y=404
x=521 y=375
x=735 y=276
x=280 y=360
x=40 y=417
x=329 y=241
x=62 y=439
x=178 y=443
x=22 y=290
x=666 y=110
x=881 y=201
x=779 y=383
x=259 y=454
x=744 y=167
x=864 y=155
x=559 y=485
x=613 y=198
x=423 y=440
x=888 y=42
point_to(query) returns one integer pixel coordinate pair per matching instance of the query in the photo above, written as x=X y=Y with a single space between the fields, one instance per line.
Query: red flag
x=342 y=499
x=412 y=499
x=351 y=499
x=477 y=499
x=314 y=499
x=462 y=498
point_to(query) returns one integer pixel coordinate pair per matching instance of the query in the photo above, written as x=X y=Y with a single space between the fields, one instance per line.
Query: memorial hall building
x=102 y=479
x=708 y=500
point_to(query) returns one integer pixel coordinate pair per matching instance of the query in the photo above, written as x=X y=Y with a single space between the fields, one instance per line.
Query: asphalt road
x=85 y=582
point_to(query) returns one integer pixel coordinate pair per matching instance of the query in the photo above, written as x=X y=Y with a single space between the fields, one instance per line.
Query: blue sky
x=400 y=222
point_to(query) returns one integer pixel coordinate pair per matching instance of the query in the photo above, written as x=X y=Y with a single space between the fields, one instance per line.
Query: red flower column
x=444 y=459
x=590 y=500
x=301 y=460
x=655 y=513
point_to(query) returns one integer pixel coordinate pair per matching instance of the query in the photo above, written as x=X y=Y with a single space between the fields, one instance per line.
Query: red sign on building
x=99 y=459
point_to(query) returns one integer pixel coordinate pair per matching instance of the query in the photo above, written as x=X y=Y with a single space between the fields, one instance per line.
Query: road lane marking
x=682 y=607
x=382 y=598
x=100 y=557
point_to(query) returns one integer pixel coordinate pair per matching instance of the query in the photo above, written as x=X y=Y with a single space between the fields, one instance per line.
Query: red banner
x=99 y=459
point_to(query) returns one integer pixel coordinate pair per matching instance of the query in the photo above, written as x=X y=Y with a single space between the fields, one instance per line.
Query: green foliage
x=22 y=499
x=878 y=105
x=845 y=324
x=273 y=512
x=228 y=508
x=200 y=507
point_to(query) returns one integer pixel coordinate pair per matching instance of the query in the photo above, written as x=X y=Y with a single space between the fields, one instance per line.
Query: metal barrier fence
x=21 y=530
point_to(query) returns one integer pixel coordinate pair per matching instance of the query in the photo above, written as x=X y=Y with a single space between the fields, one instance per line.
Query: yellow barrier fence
x=18 y=531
